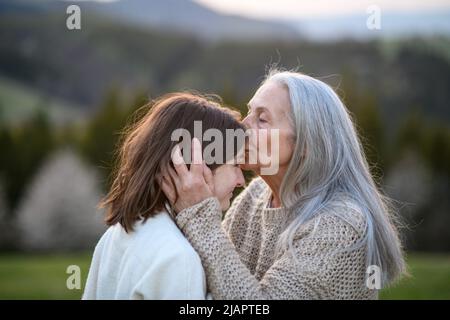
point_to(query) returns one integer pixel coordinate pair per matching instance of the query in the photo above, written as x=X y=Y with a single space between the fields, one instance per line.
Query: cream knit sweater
x=239 y=255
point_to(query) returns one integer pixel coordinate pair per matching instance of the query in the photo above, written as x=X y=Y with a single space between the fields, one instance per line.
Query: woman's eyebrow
x=262 y=109
x=258 y=108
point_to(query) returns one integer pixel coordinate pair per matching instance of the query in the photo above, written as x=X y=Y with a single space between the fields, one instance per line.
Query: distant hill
x=184 y=16
x=393 y=25
x=191 y=17
x=80 y=67
x=19 y=102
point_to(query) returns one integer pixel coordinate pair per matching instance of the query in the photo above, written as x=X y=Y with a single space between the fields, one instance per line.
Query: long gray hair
x=328 y=160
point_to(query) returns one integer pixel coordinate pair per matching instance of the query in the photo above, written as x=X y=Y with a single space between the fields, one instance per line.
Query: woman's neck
x=274 y=183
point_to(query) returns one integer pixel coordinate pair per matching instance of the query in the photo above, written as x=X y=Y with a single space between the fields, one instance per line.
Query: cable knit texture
x=240 y=260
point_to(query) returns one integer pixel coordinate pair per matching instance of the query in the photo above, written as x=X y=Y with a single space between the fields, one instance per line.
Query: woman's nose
x=246 y=122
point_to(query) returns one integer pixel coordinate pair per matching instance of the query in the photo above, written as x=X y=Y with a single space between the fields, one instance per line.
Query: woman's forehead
x=271 y=96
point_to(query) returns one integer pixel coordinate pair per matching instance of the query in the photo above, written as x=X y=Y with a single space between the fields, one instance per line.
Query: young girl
x=143 y=254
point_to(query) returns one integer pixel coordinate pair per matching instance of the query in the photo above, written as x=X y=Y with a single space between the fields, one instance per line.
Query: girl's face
x=226 y=178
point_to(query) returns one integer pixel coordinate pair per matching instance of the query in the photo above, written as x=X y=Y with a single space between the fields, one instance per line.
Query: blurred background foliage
x=65 y=97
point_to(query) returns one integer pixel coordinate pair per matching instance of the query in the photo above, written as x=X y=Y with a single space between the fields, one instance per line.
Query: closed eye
x=262 y=120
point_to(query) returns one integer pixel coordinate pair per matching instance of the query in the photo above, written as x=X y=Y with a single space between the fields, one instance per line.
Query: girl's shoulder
x=160 y=233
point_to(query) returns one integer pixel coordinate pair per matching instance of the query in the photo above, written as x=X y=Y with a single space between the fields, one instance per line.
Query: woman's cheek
x=286 y=148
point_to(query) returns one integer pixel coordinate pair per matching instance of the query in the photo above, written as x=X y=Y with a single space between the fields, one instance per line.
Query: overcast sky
x=318 y=8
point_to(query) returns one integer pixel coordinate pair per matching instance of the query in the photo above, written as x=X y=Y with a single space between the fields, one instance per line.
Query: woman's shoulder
x=350 y=212
x=342 y=219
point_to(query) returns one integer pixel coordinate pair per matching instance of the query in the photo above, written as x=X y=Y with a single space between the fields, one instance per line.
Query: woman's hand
x=183 y=187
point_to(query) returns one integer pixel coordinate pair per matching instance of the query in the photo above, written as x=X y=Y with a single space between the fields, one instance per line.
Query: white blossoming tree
x=58 y=211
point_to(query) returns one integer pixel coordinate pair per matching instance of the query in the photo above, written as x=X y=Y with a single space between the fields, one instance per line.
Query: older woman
x=317 y=229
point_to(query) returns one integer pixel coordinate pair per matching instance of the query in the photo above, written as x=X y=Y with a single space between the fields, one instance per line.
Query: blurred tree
x=100 y=136
x=365 y=111
x=57 y=215
x=138 y=106
x=8 y=226
x=436 y=148
x=99 y=139
x=431 y=140
x=372 y=131
x=410 y=132
x=427 y=206
x=23 y=150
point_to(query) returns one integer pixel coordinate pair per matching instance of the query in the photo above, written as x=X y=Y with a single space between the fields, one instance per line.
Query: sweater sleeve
x=241 y=206
x=322 y=264
x=231 y=213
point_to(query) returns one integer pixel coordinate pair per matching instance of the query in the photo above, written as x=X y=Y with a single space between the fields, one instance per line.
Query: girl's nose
x=240 y=179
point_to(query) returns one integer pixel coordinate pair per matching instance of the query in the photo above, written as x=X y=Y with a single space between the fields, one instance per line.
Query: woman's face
x=269 y=109
x=226 y=178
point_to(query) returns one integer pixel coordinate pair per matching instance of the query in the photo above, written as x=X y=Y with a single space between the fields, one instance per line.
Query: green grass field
x=44 y=277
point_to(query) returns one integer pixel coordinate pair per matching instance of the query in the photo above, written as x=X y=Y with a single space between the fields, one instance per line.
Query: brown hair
x=146 y=148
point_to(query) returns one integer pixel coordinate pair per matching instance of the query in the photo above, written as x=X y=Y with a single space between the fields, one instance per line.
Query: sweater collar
x=272 y=215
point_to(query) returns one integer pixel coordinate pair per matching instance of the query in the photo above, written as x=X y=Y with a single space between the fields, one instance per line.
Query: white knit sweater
x=155 y=261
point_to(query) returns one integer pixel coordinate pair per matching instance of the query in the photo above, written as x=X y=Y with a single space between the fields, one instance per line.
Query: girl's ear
x=208 y=176
x=166 y=183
